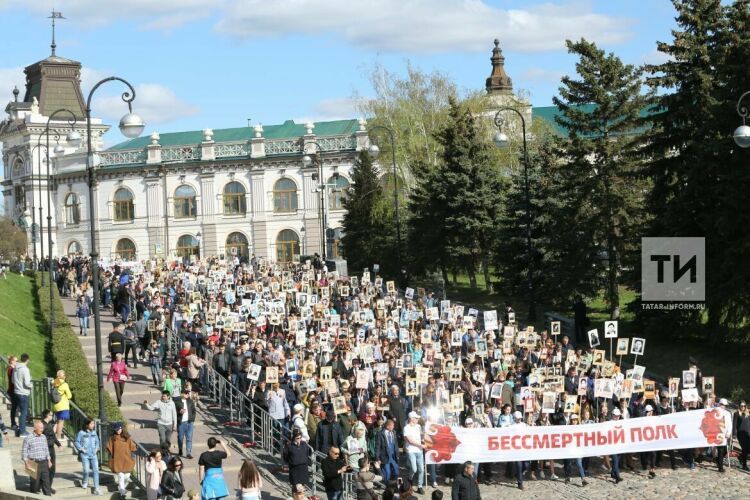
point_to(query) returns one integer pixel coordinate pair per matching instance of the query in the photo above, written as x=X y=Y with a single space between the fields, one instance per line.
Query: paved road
x=143 y=422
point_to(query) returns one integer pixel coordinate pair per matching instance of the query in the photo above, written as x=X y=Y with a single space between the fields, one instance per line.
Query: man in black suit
x=386 y=451
x=185 y=407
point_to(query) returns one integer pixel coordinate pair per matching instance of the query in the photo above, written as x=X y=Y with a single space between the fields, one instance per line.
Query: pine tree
x=367 y=228
x=601 y=111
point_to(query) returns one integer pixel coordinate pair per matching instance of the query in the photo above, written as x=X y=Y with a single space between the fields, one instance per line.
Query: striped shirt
x=35 y=448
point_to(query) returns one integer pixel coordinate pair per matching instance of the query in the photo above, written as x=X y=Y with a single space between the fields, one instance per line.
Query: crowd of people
x=358 y=370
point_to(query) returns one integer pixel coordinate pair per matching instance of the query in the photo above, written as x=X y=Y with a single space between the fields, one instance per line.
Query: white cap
x=574 y=416
x=649 y=408
x=517 y=414
x=617 y=412
x=723 y=401
x=413 y=414
x=469 y=420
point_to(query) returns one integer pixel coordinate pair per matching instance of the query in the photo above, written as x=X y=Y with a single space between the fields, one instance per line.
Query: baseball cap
x=649 y=408
x=469 y=420
x=723 y=401
x=413 y=414
x=617 y=412
x=517 y=414
x=574 y=416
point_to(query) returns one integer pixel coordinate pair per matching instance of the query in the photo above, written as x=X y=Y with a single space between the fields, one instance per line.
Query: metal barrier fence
x=254 y=422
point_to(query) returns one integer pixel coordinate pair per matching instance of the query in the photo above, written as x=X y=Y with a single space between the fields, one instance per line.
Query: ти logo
x=673 y=269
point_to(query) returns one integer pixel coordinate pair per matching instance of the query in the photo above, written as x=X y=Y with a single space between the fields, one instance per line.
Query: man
x=571 y=382
x=143 y=335
x=615 y=473
x=116 y=343
x=235 y=365
x=518 y=421
x=386 y=451
x=397 y=408
x=332 y=467
x=131 y=341
x=297 y=457
x=124 y=294
x=328 y=433
x=22 y=389
x=721 y=450
x=35 y=449
x=167 y=422
x=185 y=408
x=664 y=408
x=11 y=391
x=221 y=361
x=414 y=451
x=465 y=486
x=49 y=433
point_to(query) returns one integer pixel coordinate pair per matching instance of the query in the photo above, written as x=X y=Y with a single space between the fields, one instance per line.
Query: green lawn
x=21 y=326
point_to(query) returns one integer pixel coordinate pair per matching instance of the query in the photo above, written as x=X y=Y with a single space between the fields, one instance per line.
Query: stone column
x=208 y=215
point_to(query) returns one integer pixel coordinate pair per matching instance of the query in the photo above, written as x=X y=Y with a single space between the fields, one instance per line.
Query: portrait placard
x=272 y=374
x=622 y=347
x=638 y=346
x=610 y=329
x=554 y=327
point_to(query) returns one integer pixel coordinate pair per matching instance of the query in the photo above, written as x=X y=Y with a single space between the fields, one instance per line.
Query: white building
x=231 y=191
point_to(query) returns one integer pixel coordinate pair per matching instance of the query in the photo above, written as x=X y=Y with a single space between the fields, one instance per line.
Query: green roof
x=287 y=130
x=550 y=112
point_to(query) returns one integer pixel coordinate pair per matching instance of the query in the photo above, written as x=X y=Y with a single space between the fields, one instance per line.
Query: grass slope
x=21 y=325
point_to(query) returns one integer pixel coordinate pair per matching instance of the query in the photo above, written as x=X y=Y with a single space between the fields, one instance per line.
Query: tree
x=368 y=222
x=456 y=207
x=700 y=177
x=601 y=112
x=13 y=242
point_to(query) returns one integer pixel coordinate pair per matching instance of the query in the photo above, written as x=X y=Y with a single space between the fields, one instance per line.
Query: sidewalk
x=142 y=422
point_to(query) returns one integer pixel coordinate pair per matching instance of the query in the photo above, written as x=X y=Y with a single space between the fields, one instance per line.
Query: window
x=337 y=186
x=123 y=205
x=236 y=245
x=234 y=199
x=74 y=248
x=287 y=246
x=333 y=242
x=19 y=193
x=187 y=245
x=185 y=205
x=72 y=209
x=125 y=249
x=284 y=196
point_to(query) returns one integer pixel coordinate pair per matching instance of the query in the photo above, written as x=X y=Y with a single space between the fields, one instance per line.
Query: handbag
x=32 y=468
x=364 y=486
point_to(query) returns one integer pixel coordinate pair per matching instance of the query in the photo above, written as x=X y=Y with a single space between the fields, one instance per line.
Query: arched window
x=287 y=246
x=185 y=205
x=72 y=209
x=337 y=186
x=125 y=249
x=236 y=245
x=333 y=242
x=74 y=248
x=234 y=199
x=284 y=196
x=123 y=205
x=187 y=245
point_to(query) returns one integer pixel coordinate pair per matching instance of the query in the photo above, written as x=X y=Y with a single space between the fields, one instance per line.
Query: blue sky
x=216 y=63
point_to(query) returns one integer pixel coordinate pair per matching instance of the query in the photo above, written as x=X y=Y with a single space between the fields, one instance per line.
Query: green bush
x=68 y=355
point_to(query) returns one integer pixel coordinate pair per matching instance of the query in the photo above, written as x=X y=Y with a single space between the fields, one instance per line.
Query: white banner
x=690 y=429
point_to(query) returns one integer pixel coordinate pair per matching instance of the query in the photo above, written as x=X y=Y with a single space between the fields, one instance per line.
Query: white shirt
x=414 y=433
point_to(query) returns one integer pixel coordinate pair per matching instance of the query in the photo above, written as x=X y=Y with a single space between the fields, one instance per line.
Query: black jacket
x=116 y=342
x=190 y=409
x=332 y=479
x=171 y=484
x=465 y=488
x=328 y=434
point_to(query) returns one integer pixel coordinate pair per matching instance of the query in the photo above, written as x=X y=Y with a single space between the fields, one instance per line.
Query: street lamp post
x=321 y=188
x=501 y=140
x=374 y=150
x=74 y=140
x=742 y=133
x=131 y=126
x=36 y=231
x=38 y=148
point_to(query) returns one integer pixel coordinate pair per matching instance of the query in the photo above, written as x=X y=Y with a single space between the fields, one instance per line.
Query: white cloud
x=9 y=78
x=153 y=102
x=541 y=75
x=339 y=108
x=655 y=57
x=424 y=26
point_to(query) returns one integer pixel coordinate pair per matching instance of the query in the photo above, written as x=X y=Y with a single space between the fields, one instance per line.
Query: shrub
x=68 y=355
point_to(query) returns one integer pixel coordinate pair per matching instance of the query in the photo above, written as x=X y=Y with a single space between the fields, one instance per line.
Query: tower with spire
x=499 y=88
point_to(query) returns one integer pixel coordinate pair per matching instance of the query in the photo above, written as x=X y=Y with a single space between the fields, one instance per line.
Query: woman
x=365 y=480
x=297 y=456
x=87 y=444
x=154 y=355
x=121 y=448
x=83 y=311
x=118 y=374
x=61 y=408
x=155 y=468
x=741 y=427
x=355 y=446
x=210 y=473
x=172 y=486
x=194 y=365
x=249 y=481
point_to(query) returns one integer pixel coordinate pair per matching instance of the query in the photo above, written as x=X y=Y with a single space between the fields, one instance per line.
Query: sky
x=200 y=64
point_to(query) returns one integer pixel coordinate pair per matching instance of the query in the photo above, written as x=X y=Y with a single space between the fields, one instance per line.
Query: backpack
x=54 y=395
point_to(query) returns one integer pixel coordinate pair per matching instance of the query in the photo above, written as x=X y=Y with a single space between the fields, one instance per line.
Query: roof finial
x=498 y=81
x=55 y=15
x=15 y=93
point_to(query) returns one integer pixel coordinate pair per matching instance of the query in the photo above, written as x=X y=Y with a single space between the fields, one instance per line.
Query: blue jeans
x=432 y=469
x=125 y=312
x=416 y=468
x=579 y=464
x=185 y=431
x=335 y=495
x=520 y=467
x=84 y=321
x=156 y=371
x=23 y=410
x=90 y=465
x=389 y=470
